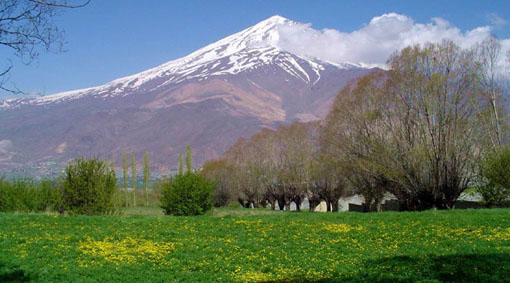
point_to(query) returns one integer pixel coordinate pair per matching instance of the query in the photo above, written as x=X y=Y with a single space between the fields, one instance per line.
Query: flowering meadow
x=469 y=245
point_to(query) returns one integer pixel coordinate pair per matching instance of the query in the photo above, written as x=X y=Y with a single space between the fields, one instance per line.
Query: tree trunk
x=377 y=205
x=240 y=201
x=298 y=201
x=281 y=203
x=313 y=202
x=334 y=206
x=367 y=205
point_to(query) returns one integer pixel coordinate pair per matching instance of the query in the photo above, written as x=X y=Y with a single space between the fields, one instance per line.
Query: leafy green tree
x=146 y=176
x=186 y=195
x=88 y=187
x=188 y=159
x=125 y=176
x=495 y=174
x=133 y=177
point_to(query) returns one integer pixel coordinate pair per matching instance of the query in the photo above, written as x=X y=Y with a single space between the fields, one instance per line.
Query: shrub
x=186 y=194
x=48 y=196
x=88 y=187
x=11 y=197
x=28 y=196
x=495 y=173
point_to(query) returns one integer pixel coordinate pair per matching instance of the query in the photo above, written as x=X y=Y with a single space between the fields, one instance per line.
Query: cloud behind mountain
x=372 y=44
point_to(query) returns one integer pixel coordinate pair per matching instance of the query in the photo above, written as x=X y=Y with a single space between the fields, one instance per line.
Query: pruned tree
x=295 y=150
x=219 y=171
x=262 y=148
x=242 y=176
x=27 y=27
x=273 y=166
x=351 y=142
x=328 y=181
x=434 y=122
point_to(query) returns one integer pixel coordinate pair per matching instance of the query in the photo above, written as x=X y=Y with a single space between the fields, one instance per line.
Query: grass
x=142 y=210
x=257 y=245
x=220 y=212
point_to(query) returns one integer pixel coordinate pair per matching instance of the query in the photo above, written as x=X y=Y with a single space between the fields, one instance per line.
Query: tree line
x=90 y=186
x=422 y=130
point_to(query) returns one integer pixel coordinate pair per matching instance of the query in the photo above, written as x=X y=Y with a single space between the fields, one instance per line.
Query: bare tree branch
x=60 y=5
x=27 y=27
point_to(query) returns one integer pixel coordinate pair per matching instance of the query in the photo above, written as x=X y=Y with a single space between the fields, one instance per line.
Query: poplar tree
x=181 y=164
x=188 y=159
x=112 y=167
x=133 y=177
x=125 y=175
x=146 y=176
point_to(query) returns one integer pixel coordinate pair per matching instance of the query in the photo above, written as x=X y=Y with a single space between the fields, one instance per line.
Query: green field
x=257 y=245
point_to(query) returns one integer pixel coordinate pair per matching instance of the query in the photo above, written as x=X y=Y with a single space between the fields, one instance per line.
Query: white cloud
x=372 y=44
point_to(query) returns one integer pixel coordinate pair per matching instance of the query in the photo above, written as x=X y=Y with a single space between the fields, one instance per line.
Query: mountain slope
x=208 y=99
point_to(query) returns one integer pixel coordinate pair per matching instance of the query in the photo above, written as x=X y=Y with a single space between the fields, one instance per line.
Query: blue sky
x=109 y=39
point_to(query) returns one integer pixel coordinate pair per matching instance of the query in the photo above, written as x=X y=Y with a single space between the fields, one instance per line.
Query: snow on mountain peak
x=247 y=49
x=276 y=19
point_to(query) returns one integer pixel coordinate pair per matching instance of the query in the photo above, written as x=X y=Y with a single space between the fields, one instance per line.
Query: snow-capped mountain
x=247 y=50
x=208 y=99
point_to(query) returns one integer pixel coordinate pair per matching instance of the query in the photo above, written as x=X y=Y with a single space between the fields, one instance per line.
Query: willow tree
x=272 y=166
x=352 y=142
x=295 y=151
x=415 y=130
x=219 y=171
x=328 y=176
x=433 y=121
x=241 y=177
x=262 y=164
